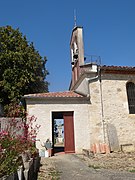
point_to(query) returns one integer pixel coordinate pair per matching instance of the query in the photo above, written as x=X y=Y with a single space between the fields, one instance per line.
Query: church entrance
x=63 y=132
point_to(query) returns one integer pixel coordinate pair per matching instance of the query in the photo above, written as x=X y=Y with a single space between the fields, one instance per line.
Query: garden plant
x=16 y=138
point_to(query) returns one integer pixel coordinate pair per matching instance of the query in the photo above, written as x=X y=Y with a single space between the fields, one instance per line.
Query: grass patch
x=133 y=170
x=94 y=166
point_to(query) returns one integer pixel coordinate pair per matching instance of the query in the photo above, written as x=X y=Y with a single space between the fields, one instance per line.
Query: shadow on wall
x=113 y=137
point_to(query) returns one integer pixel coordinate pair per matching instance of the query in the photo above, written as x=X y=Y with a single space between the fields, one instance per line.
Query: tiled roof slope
x=56 y=94
x=118 y=67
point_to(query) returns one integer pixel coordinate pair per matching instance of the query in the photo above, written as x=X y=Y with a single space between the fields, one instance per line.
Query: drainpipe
x=102 y=108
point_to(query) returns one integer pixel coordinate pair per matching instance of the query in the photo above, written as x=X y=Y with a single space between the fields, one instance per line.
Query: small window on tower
x=75 y=51
x=131 y=97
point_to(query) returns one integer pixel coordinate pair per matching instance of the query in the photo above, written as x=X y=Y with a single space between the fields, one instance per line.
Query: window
x=131 y=97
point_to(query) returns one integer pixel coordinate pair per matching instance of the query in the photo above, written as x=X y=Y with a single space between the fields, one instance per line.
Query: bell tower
x=76 y=46
x=77 y=52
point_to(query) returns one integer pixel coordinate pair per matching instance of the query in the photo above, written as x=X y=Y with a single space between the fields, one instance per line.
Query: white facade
x=43 y=111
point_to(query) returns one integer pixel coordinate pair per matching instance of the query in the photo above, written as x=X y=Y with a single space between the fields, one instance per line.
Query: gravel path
x=75 y=167
x=72 y=167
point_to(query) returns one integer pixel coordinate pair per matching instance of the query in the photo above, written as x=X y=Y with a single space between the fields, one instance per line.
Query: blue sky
x=109 y=31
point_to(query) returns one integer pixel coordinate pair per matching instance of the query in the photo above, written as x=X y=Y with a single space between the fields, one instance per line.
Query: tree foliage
x=22 y=69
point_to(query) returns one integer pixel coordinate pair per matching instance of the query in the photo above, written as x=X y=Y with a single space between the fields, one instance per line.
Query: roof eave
x=55 y=98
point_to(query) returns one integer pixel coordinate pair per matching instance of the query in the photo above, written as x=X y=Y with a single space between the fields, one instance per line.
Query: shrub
x=17 y=137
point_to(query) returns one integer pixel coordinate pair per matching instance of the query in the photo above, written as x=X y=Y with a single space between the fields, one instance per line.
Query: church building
x=98 y=110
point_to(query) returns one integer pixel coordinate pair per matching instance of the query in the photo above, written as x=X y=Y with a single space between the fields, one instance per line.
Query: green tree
x=22 y=69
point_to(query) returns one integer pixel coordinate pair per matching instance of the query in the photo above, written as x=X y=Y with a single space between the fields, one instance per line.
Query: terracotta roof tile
x=55 y=94
x=118 y=67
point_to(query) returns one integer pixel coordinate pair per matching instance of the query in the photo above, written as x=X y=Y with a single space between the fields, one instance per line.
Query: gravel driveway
x=74 y=167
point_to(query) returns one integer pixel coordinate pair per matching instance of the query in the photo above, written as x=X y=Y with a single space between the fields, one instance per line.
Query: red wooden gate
x=69 y=132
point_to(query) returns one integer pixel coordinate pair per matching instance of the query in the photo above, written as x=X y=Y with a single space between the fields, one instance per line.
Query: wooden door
x=69 y=145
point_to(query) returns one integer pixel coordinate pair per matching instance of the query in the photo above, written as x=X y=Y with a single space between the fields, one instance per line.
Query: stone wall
x=110 y=116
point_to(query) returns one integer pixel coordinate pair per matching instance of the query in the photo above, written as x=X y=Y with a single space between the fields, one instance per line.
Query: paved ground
x=73 y=167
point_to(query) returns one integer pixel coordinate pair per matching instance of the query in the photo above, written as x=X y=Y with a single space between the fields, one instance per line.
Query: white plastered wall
x=43 y=112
